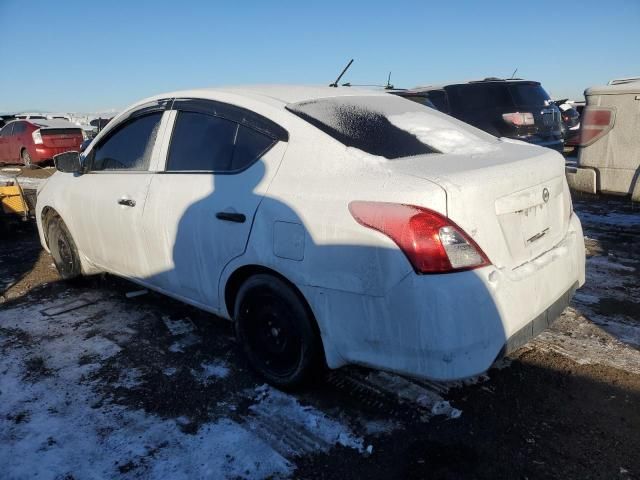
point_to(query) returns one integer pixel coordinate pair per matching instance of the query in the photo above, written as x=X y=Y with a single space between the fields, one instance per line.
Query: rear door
x=111 y=196
x=219 y=163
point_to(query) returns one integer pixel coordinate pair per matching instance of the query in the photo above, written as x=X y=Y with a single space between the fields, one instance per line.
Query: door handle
x=127 y=202
x=231 y=217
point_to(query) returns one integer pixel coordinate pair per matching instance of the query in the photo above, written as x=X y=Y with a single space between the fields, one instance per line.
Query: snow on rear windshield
x=390 y=126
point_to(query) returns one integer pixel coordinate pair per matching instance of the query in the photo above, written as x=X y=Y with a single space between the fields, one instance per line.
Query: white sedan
x=332 y=225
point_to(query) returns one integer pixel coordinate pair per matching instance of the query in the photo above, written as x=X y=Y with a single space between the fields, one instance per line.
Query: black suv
x=514 y=108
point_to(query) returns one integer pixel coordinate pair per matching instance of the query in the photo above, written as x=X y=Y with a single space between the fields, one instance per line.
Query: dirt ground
x=146 y=387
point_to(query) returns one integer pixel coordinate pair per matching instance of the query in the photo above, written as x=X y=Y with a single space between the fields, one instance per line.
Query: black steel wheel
x=277 y=331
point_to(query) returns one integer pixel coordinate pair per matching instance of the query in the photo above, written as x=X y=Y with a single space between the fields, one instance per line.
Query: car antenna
x=514 y=73
x=335 y=84
x=388 y=86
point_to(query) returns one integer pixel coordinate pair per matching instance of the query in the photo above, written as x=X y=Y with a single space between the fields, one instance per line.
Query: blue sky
x=94 y=55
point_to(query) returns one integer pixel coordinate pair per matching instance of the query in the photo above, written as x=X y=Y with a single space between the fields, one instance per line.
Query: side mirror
x=85 y=144
x=68 y=162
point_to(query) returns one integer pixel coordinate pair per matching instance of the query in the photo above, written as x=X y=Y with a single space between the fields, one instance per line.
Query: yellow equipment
x=12 y=199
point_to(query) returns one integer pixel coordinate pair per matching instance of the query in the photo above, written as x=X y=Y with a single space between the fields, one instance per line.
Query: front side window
x=202 y=142
x=129 y=147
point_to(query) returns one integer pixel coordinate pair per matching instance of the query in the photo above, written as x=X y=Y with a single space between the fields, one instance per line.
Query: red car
x=35 y=141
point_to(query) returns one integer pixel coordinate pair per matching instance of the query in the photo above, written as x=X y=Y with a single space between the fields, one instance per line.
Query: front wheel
x=63 y=249
x=277 y=332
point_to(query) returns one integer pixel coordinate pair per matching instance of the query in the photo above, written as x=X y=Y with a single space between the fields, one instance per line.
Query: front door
x=200 y=210
x=111 y=196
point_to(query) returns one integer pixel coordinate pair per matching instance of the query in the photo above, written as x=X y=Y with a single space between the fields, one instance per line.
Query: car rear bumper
x=450 y=326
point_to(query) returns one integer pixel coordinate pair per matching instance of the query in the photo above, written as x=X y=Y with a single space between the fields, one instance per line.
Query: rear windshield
x=60 y=131
x=391 y=127
x=529 y=94
x=363 y=123
x=481 y=96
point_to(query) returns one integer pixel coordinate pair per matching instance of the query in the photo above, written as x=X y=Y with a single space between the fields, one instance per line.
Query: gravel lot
x=97 y=385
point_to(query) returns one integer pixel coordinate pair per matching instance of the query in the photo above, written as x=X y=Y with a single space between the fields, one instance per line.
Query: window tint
x=203 y=142
x=465 y=98
x=19 y=127
x=129 y=148
x=250 y=145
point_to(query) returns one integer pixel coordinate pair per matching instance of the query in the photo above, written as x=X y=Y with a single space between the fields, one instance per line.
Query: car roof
x=502 y=81
x=618 y=88
x=272 y=94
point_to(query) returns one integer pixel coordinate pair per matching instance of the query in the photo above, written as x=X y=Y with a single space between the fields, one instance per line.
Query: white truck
x=609 y=147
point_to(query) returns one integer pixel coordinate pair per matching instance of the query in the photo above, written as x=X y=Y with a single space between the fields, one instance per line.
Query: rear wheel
x=277 y=332
x=63 y=249
x=26 y=158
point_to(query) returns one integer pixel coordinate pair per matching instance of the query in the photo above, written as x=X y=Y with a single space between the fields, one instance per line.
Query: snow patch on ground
x=611 y=218
x=579 y=339
x=56 y=420
x=294 y=429
x=212 y=371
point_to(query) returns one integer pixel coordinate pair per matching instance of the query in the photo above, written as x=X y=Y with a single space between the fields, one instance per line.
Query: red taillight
x=595 y=123
x=431 y=242
x=518 y=118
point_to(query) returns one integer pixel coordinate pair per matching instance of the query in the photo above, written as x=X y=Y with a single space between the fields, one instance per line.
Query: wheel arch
x=244 y=272
x=48 y=213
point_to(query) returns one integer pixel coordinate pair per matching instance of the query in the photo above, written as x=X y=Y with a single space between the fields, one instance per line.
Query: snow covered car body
x=415 y=242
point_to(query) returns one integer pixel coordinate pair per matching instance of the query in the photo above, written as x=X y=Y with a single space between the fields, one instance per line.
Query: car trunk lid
x=61 y=137
x=514 y=201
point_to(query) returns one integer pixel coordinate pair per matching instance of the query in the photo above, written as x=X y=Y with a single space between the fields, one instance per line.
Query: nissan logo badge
x=545 y=195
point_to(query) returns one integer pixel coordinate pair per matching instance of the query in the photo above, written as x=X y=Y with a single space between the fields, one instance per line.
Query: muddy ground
x=146 y=387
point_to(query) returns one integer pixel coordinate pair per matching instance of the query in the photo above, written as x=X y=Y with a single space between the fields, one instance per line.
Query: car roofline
x=442 y=86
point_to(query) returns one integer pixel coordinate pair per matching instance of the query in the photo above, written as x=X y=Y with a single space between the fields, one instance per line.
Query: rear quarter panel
x=303 y=228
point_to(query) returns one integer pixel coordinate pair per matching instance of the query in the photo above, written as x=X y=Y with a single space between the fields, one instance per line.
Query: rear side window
x=468 y=98
x=202 y=142
x=19 y=127
x=362 y=123
x=130 y=147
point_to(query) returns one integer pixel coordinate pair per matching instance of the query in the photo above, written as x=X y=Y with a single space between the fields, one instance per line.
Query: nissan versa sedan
x=332 y=226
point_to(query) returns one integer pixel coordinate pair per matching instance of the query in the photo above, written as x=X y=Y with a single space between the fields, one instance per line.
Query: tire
x=63 y=249
x=26 y=158
x=276 y=331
